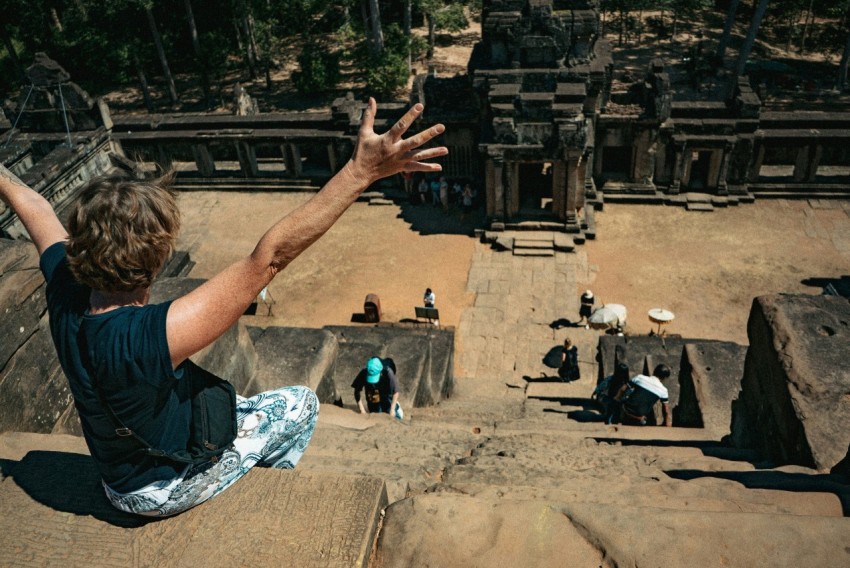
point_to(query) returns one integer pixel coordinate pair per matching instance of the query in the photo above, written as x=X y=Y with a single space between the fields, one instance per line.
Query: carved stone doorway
x=535 y=189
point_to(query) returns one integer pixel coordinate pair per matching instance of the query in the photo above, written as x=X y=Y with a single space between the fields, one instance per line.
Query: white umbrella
x=608 y=316
x=661 y=317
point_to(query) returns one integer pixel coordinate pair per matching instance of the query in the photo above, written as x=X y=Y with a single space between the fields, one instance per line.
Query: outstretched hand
x=379 y=156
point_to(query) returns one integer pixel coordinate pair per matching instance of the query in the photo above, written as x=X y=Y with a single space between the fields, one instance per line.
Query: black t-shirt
x=379 y=396
x=127 y=352
x=642 y=399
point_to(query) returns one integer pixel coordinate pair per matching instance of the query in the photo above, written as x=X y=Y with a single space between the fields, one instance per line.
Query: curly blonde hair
x=121 y=232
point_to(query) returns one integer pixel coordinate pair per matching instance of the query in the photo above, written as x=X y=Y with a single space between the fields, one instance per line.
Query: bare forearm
x=293 y=234
x=34 y=211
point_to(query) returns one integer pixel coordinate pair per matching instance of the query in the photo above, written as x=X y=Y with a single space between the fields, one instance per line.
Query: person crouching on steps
x=379 y=382
x=128 y=360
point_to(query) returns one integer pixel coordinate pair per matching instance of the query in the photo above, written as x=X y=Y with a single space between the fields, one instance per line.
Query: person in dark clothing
x=381 y=388
x=585 y=308
x=639 y=396
x=606 y=392
x=128 y=361
x=569 y=371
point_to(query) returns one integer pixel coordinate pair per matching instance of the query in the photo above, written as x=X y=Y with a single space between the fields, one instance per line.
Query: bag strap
x=121 y=430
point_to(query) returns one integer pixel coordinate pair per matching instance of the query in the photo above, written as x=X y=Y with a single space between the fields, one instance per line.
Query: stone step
x=542 y=243
x=652 y=199
x=593 y=534
x=714 y=495
x=699 y=206
x=532 y=252
x=53 y=513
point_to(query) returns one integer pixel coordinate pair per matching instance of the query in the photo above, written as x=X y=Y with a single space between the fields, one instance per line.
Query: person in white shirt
x=429 y=298
x=639 y=396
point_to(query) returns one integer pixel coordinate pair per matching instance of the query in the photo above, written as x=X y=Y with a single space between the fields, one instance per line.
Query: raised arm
x=34 y=211
x=199 y=318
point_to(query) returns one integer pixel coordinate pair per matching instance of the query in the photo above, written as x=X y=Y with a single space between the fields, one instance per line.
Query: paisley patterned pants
x=274 y=430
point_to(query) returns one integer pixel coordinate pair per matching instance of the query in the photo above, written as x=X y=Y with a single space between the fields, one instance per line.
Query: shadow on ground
x=69 y=483
x=777 y=480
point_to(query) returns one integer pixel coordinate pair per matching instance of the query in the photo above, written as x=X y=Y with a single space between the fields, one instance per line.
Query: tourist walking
x=444 y=194
x=423 y=191
x=466 y=200
x=585 y=308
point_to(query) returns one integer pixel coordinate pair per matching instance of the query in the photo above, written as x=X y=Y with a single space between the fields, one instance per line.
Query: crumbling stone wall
x=793 y=405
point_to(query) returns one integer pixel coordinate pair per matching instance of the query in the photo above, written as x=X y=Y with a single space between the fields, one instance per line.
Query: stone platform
x=53 y=513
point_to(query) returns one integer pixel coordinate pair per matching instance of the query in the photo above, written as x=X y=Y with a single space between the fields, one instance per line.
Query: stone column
x=713 y=177
x=297 y=169
x=489 y=188
x=332 y=161
x=678 y=167
x=801 y=164
x=203 y=160
x=758 y=157
x=572 y=186
x=498 y=189
x=581 y=185
x=247 y=159
x=512 y=196
x=640 y=161
x=559 y=189
x=586 y=178
x=722 y=188
x=814 y=161
x=287 y=159
x=163 y=157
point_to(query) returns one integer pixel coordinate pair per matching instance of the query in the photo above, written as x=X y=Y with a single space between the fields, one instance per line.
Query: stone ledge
x=53 y=513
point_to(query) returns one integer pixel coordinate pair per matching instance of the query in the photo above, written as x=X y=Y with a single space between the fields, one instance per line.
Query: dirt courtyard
x=705 y=267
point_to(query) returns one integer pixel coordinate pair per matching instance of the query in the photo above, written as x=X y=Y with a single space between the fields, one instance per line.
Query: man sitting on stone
x=638 y=397
x=379 y=381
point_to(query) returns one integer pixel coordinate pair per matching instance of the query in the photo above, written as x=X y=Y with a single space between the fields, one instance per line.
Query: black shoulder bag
x=213 y=426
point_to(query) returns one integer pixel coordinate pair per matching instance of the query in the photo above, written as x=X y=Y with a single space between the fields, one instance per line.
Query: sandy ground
x=370 y=250
x=705 y=267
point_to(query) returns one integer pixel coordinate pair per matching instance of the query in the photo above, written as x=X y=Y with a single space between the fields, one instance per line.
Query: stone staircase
x=515 y=468
x=493 y=454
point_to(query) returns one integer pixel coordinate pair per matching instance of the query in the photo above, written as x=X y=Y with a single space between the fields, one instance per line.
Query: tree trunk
x=810 y=15
x=196 y=45
x=842 y=66
x=143 y=82
x=622 y=27
x=54 y=15
x=431 y=28
x=157 y=40
x=791 y=22
x=246 y=38
x=408 y=24
x=727 y=30
x=377 y=32
x=10 y=48
x=755 y=23
x=640 y=24
x=259 y=56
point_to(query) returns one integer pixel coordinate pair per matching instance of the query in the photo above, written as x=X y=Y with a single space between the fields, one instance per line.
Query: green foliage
x=388 y=74
x=318 y=69
x=446 y=15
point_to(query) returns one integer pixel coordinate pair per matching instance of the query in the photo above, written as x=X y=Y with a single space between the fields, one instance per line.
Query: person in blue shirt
x=126 y=357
